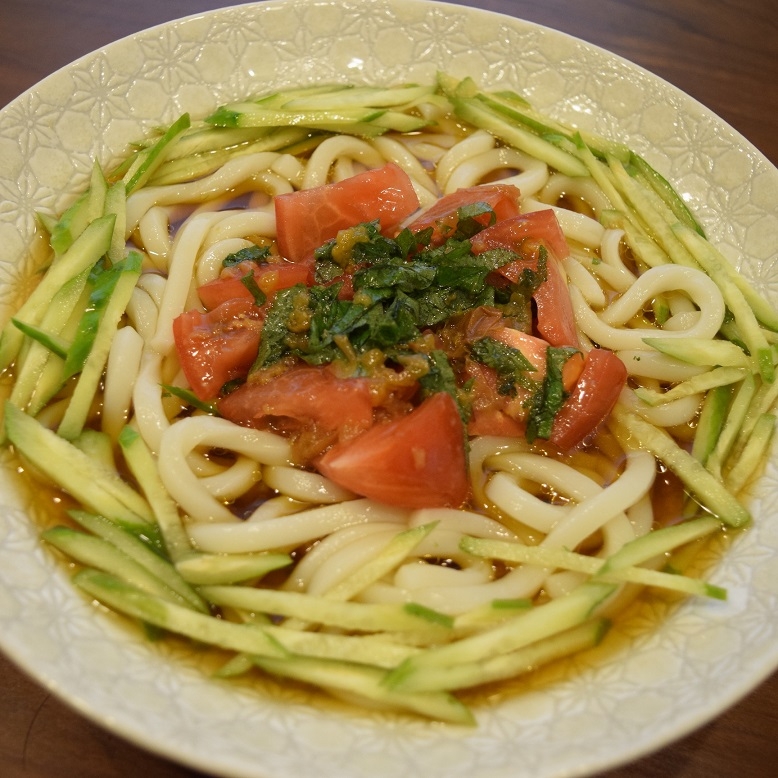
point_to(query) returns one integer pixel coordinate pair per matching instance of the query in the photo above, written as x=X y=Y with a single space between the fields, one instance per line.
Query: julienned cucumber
x=266 y=651
x=705 y=487
x=85 y=252
x=98 y=488
x=511 y=635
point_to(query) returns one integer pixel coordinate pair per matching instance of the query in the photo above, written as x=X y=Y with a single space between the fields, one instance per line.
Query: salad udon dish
x=394 y=390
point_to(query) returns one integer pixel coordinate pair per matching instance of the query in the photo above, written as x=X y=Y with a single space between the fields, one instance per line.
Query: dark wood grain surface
x=724 y=53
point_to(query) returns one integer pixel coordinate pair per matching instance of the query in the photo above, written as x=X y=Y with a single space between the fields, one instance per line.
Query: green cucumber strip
x=49 y=340
x=143 y=467
x=202 y=138
x=666 y=191
x=127 y=271
x=360 y=97
x=103 y=283
x=240 y=664
x=490 y=612
x=653 y=213
x=530 y=626
x=511 y=665
x=280 y=98
x=375 y=649
x=363 y=617
x=647 y=253
x=252 y=115
x=718 y=376
x=754 y=453
x=50 y=377
x=150 y=159
x=593 y=566
x=200 y=164
x=100 y=554
x=400 y=122
x=746 y=301
x=711 y=421
x=88 y=207
x=705 y=487
x=740 y=298
x=701 y=351
x=120 y=596
x=96 y=445
x=390 y=556
x=96 y=487
x=659 y=542
x=477 y=113
x=763 y=402
x=738 y=409
x=229 y=568
x=366 y=682
x=116 y=205
x=85 y=252
x=142 y=551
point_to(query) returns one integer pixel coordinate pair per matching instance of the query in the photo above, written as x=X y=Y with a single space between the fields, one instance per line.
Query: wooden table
x=722 y=52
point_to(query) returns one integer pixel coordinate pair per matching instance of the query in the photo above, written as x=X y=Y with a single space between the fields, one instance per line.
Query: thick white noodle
x=608 y=329
x=290 y=531
x=179 y=440
x=121 y=372
x=322 y=551
x=228 y=178
x=303 y=485
x=209 y=264
x=471 y=171
x=154 y=232
x=477 y=143
x=317 y=171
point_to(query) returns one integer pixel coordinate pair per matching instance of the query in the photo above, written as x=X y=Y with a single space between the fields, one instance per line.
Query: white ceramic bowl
x=661 y=673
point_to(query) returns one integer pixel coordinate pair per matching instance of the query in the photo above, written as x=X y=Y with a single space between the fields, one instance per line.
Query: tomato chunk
x=592 y=399
x=218 y=346
x=534 y=349
x=301 y=397
x=269 y=278
x=443 y=216
x=523 y=234
x=414 y=461
x=308 y=218
x=512 y=232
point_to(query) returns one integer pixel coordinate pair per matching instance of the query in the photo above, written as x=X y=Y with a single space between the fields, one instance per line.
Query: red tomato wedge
x=512 y=232
x=310 y=217
x=218 y=346
x=443 y=215
x=492 y=413
x=269 y=278
x=592 y=399
x=414 y=461
x=534 y=349
x=301 y=397
x=555 y=318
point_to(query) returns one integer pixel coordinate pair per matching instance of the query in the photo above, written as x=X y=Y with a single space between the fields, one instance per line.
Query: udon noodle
x=239 y=492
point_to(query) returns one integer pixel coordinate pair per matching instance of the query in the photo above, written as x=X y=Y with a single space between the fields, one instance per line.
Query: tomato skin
x=414 y=461
x=269 y=277
x=308 y=218
x=523 y=234
x=592 y=399
x=491 y=413
x=304 y=396
x=442 y=215
x=534 y=349
x=512 y=232
x=217 y=346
